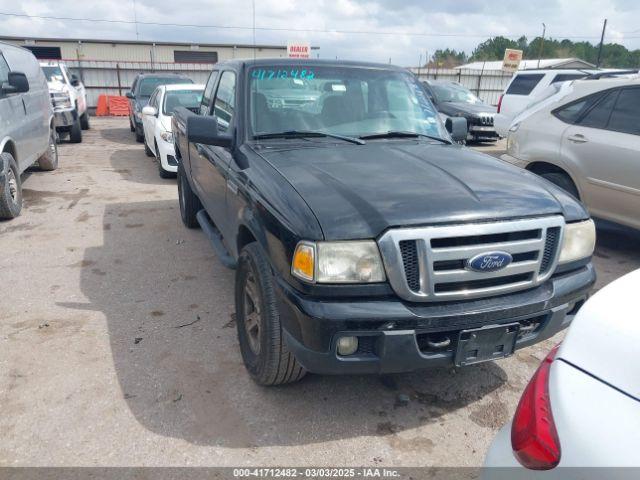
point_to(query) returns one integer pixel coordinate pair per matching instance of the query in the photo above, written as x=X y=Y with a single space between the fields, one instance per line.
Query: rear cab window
x=524 y=83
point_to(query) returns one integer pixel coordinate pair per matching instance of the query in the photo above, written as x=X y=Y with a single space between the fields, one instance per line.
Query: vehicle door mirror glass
x=16 y=83
x=150 y=110
x=74 y=80
x=457 y=127
x=130 y=95
x=204 y=130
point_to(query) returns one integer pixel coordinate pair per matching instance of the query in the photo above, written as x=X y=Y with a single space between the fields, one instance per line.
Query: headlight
x=338 y=262
x=167 y=137
x=578 y=242
x=61 y=100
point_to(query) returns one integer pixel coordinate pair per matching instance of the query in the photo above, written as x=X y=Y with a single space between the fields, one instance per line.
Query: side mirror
x=75 y=81
x=149 y=110
x=130 y=95
x=457 y=127
x=204 y=129
x=16 y=83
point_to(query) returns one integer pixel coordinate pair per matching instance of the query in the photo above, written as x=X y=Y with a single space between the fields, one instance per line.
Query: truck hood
x=360 y=191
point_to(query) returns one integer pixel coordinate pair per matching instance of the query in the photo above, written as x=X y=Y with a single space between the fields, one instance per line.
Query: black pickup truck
x=364 y=239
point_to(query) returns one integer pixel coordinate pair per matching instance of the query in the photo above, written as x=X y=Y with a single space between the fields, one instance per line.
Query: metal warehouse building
x=109 y=66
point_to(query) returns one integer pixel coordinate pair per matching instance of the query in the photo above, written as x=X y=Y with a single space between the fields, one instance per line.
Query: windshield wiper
x=400 y=134
x=307 y=133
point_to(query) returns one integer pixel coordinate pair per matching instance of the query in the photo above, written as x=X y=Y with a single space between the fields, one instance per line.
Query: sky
x=371 y=30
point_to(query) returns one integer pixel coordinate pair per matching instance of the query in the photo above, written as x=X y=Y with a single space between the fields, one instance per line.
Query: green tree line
x=613 y=55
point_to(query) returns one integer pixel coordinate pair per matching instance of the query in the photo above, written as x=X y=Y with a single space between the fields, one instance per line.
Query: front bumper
x=167 y=155
x=393 y=334
x=64 y=119
x=478 y=132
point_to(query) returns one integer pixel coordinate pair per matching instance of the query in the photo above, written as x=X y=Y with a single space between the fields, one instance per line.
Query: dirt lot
x=118 y=347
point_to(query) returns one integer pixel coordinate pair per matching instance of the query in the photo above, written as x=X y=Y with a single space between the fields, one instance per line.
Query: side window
x=626 y=114
x=4 y=70
x=523 y=84
x=224 y=104
x=571 y=113
x=565 y=77
x=598 y=116
x=208 y=93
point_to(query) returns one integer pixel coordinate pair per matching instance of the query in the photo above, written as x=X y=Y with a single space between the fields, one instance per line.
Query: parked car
x=453 y=100
x=523 y=89
x=156 y=121
x=586 y=139
x=27 y=133
x=143 y=86
x=581 y=409
x=364 y=240
x=69 y=99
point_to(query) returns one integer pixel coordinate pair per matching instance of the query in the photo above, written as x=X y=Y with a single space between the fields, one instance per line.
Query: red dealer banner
x=298 y=50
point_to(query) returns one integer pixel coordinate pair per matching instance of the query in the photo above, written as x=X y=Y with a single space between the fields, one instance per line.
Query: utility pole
x=419 y=65
x=544 y=29
x=604 y=26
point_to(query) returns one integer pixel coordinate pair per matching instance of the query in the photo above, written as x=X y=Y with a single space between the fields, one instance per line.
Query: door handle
x=577 y=138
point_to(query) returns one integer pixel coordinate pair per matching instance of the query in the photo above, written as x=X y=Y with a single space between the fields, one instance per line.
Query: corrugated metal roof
x=530 y=64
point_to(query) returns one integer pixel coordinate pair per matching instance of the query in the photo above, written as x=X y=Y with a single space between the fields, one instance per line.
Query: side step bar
x=216 y=239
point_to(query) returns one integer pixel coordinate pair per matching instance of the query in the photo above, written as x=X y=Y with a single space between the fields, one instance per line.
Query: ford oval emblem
x=489 y=262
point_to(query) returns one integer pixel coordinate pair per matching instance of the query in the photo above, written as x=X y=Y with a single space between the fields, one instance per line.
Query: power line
x=281 y=29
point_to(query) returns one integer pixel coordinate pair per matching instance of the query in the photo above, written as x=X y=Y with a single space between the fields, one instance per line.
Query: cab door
x=213 y=162
x=605 y=145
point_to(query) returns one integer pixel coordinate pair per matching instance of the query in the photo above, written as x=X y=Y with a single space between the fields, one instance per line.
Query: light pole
x=544 y=29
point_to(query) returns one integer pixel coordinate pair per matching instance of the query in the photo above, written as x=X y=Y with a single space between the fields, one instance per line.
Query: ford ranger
x=365 y=240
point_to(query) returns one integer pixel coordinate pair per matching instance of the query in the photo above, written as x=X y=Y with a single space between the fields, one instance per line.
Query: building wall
x=132 y=52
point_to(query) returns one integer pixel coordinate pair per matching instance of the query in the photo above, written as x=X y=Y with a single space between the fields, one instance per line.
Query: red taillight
x=500 y=102
x=534 y=438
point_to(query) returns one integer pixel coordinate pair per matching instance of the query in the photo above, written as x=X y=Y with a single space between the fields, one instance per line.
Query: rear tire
x=49 y=161
x=84 y=121
x=75 y=134
x=262 y=345
x=563 y=181
x=189 y=202
x=10 y=187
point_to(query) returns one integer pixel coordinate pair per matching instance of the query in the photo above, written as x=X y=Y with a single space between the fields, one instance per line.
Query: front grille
x=483 y=120
x=409 y=253
x=430 y=263
x=550 y=249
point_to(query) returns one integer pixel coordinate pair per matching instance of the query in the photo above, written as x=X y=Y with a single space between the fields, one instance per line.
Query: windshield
x=189 y=99
x=452 y=92
x=53 y=74
x=348 y=101
x=149 y=84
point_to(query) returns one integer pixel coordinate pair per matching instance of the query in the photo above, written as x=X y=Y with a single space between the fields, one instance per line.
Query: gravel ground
x=118 y=344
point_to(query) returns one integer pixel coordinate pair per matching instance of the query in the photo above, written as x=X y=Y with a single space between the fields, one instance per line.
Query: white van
x=523 y=89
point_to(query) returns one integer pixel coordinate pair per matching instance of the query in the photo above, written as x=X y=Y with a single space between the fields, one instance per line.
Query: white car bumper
x=167 y=156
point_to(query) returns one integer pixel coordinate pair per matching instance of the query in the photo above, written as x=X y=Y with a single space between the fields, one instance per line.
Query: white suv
x=524 y=88
x=586 y=139
x=69 y=100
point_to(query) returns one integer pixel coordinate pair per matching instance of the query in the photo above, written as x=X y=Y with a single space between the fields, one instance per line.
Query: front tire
x=147 y=150
x=10 y=187
x=139 y=134
x=161 y=171
x=49 y=161
x=264 y=350
x=84 y=121
x=189 y=202
x=75 y=134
